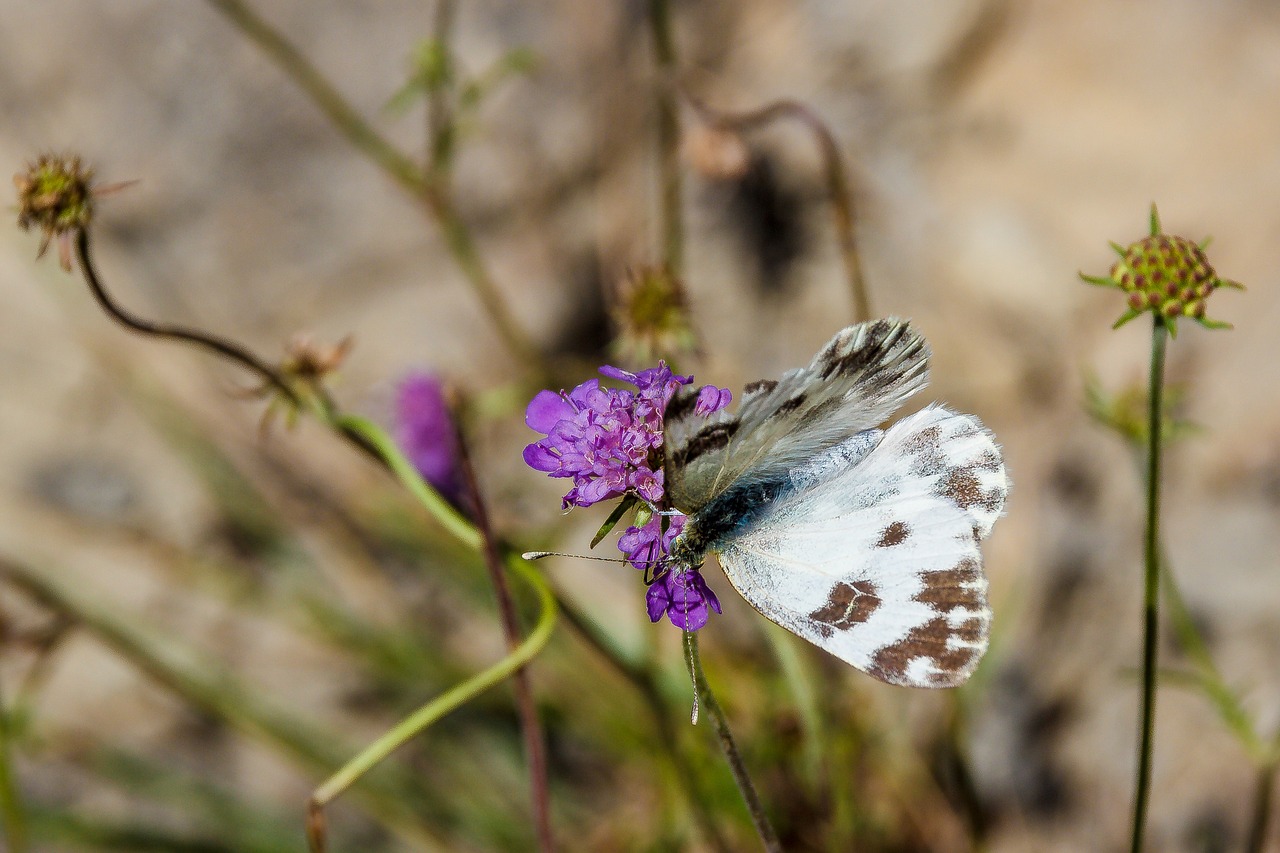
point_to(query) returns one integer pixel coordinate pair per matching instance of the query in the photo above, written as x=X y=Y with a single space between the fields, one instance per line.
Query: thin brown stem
x=432 y=194
x=834 y=174
x=760 y=818
x=668 y=142
x=1263 y=794
x=219 y=346
x=530 y=726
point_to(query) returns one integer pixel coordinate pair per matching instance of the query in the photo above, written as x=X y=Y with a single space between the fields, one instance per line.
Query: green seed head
x=1165 y=274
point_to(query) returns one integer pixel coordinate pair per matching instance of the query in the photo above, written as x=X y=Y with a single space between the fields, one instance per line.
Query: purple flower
x=711 y=399
x=684 y=597
x=602 y=437
x=609 y=441
x=646 y=547
x=424 y=428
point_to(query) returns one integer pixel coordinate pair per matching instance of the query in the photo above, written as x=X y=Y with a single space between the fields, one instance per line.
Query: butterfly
x=861 y=540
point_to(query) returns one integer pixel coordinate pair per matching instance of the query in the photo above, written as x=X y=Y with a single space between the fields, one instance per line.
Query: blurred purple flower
x=609 y=441
x=425 y=430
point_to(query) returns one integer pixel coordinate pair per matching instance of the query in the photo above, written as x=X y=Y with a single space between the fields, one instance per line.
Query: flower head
x=1167 y=275
x=425 y=429
x=604 y=438
x=56 y=196
x=609 y=442
x=652 y=314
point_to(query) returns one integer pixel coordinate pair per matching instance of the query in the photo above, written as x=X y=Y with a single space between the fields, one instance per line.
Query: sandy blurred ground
x=997 y=149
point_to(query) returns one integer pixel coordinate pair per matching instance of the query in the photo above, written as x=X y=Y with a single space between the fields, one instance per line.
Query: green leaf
x=1155 y=220
x=1126 y=317
x=614 y=517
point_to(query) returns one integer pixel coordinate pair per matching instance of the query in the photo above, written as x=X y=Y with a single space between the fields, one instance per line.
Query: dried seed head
x=652 y=315
x=55 y=196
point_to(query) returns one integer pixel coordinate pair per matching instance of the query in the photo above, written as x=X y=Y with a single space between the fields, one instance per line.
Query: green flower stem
x=530 y=727
x=660 y=709
x=448 y=516
x=746 y=787
x=451 y=700
x=11 y=810
x=842 y=202
x=668 y=121
x=206 y=685
x=1151 y=581
x=434 y=195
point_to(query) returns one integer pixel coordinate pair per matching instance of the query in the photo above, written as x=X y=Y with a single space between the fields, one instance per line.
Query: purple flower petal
x=546 y=409
x=711 y=399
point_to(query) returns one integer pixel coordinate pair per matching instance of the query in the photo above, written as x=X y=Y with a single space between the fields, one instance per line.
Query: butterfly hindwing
x=855 y=382
x=878 y=562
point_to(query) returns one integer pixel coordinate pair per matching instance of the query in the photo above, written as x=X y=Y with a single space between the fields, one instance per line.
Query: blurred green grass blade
x=209 y=686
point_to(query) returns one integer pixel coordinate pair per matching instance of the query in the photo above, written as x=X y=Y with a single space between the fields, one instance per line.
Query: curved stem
x=452 y=699
x=746 y=787
x=219 y=346
x=834 y=174
x=1151 y=582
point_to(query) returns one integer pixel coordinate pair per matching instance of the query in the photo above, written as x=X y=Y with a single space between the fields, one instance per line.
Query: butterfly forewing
x=855 y=382
x=878 y=562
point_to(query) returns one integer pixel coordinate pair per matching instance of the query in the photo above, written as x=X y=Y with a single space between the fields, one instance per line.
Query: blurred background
x=994 y=148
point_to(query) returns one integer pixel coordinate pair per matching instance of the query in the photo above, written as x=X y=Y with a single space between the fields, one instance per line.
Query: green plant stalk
x=208 y=686
x=1151 y=582
x=11 y=810
x=432 y=194
x=445 y=513
x=759 y=818
x=660 y=709
x=668 y=121
x=452 y=699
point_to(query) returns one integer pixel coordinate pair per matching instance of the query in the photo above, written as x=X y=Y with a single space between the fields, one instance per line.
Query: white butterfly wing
x=878 y=562
x=860 y=378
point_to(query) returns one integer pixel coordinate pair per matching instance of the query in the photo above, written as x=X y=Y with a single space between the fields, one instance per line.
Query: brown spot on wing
x=924 y=641
x=895 y=534
x=680 y=405
x=792 y=404
x=847 y=605
x=961 y=486
x=945 y=591
x=761 y=386
x=712 y=437
x=949 y=589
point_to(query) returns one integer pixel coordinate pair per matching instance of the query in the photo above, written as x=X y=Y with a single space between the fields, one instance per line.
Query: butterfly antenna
x=538 y=555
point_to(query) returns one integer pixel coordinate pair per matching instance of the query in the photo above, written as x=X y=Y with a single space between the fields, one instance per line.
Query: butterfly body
x=861 y=540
